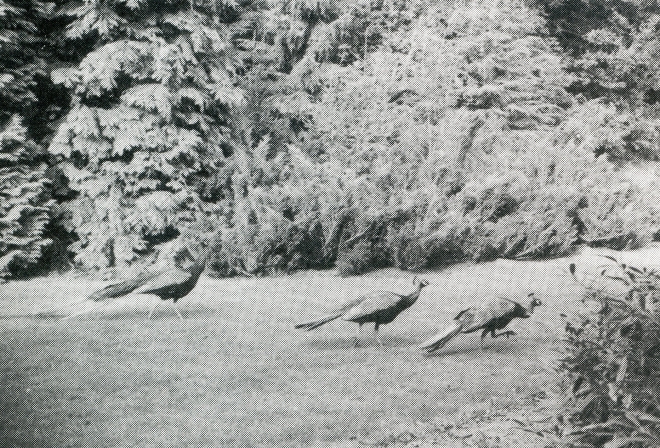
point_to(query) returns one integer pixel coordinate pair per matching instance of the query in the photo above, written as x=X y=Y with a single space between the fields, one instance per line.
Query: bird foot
x=509 y=333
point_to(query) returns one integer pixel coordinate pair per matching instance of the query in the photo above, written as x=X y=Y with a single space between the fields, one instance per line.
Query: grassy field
x=236 y=373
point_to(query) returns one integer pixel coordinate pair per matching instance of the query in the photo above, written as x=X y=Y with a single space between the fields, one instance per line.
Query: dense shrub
x=612 y=369
x=612 y=49
x=407 y=133
x=356 y=260
x=455 y=138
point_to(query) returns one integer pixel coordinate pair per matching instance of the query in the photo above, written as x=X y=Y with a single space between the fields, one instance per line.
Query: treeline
x=324 y=133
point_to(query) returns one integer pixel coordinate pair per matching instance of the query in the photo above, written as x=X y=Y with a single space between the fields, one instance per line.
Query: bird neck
x=530 y=309
x=200 y=264
x=413 y=296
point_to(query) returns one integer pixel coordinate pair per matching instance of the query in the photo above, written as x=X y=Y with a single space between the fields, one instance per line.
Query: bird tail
x=86 y=309
x=115 y=290
x=317 y=322
x=109 y=292
x=439 y=340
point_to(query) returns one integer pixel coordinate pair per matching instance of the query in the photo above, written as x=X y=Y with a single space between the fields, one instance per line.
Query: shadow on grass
x=46 y=316
x=518 y=346
x=343 y=342
x=163 y=312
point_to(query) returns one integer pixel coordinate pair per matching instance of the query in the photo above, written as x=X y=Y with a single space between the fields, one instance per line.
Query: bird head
x=207 y=246
x=199 y=255
x=420 y=282
x=533 y=301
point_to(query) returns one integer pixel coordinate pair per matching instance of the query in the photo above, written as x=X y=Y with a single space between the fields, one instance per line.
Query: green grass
x=236 y=373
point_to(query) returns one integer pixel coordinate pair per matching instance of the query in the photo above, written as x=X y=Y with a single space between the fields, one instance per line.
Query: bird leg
x=377 y=335
x=154 y=307
x=504 y=333
x=356 y=339
x=483 y=336
x=176 y=308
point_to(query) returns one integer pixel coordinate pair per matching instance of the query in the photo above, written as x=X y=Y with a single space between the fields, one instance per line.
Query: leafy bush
x=612 y=370
x=355 y=261
x=613 y=48
x=270 y=248
x=454 y=139
x=409 y=133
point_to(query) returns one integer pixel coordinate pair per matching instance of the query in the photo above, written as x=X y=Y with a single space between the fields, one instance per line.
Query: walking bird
x=492 y=316
x=174 y=284
x=380 y=307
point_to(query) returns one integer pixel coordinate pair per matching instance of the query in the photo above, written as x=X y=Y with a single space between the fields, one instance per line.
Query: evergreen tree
x=28 y=103
x=22 y=63
x=25 y=201
x=147 y=142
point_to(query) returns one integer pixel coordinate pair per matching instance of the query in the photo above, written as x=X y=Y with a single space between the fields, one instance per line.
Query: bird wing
x=348 y=305
x=372 y=303
x=476 y=317
x=164 y=281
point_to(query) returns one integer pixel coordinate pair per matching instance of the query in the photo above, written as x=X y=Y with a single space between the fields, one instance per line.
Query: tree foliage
x=405 y=129
x=613 y=48
x=145 y=143
x=21 y=62
x=356 y=134
x=24 y=195
x=449 y=133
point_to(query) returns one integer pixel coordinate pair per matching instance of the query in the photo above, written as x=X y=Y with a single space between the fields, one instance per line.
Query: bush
x=355 y=261
x=612 y=370
x=413 y=134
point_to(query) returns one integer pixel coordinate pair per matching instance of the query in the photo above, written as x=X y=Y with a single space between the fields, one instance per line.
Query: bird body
x=492 y=316
x=173 y=283
x=497 y=314
x=380 y=307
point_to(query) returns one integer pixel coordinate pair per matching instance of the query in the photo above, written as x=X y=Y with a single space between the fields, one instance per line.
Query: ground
x=236 y=373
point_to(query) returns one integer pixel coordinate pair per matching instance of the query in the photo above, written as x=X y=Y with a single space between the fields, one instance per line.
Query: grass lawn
x=236 y=373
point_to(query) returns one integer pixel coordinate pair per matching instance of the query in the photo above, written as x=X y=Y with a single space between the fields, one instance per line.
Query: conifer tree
x=147 y=141
x=24 y=201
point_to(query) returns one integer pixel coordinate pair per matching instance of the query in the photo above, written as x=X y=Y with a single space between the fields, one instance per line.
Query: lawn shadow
x=164 y=311
x=518 y=346
x=337 y=342
x=45 y=316
x=48 y=315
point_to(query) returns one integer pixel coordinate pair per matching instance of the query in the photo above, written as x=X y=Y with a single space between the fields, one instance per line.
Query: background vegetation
x=326 y=133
